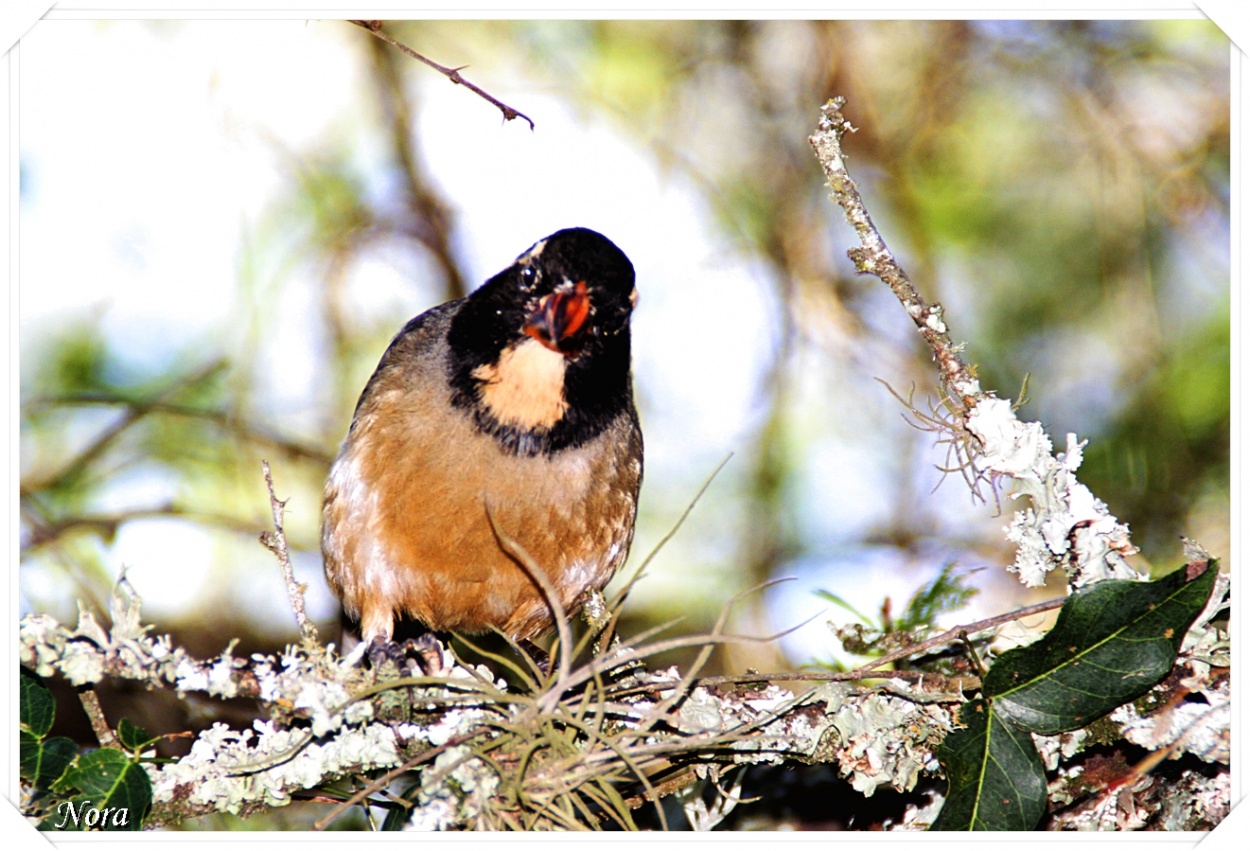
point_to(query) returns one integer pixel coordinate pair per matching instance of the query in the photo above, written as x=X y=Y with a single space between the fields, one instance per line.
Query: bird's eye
x=528 y=273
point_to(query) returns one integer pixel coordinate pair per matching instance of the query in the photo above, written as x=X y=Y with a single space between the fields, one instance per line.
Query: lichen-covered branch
x=329 y=720
x=486 y=756
x=1065 y=526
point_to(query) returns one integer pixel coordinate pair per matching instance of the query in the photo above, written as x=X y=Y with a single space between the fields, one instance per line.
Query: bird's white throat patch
x=525 y=388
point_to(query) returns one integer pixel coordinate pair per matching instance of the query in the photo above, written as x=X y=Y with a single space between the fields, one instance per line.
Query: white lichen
x=888 y=741
x=1065 y=525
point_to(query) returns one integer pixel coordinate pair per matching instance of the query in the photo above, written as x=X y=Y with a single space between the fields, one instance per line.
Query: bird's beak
x=558 y=317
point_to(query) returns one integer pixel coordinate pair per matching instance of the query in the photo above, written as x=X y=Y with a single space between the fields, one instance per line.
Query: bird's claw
x=413 y=657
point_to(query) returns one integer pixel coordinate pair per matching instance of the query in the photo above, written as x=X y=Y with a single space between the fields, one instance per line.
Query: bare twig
x=428 y=218
x=874 y=258
x=876 y=669
x=957 y=633
x=95 y=713
x=275 y=542
x=452 y=74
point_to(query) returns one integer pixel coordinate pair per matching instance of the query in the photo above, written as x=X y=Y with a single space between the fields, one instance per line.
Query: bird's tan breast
x=406 y=525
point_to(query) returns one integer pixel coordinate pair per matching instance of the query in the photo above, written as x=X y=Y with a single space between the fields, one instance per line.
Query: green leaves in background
x=1111 y=643
x=105 y=788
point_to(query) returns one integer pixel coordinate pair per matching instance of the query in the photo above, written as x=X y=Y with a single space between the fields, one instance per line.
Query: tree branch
x=275 y=542
x=1067 y=527
x=452 y=74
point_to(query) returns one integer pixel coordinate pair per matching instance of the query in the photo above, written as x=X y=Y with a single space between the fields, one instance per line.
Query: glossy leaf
x=996 y=778
x=108 y=781
x=42 y=760
x=38 y=709
x=133 y=737
x=1112 y=642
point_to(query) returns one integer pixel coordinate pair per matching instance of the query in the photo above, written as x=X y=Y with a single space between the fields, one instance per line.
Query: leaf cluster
x=105 y=789
x=1113 y=641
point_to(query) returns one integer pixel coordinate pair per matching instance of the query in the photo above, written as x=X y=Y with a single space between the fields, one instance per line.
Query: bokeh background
x=222 y=223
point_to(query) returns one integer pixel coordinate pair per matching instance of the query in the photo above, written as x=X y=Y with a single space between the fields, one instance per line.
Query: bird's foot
x=413 y=657
x=541 y=658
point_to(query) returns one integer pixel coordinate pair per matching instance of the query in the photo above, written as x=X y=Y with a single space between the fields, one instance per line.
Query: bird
x=497 y=433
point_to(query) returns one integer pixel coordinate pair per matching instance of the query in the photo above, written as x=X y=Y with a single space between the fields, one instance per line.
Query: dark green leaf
x=1111 y=643
x=38 y=709
x=109 y=780
x=996 y=778
x=133 y=737
x=43 y=761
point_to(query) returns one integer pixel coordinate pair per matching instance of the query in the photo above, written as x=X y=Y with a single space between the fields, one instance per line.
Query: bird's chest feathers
x=525 y=387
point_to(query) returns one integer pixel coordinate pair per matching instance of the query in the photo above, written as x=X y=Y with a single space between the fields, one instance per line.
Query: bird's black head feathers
x=494 y=318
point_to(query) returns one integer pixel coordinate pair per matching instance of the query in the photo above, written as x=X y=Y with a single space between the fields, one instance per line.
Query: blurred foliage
x=1061 y=187
x=948 y=592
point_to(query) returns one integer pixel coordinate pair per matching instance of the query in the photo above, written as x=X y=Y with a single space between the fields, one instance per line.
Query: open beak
x=558 y=317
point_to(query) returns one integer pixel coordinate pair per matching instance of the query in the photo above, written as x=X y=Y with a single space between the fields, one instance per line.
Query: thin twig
x=564 y=634
x=954 y=633
x=874 y=258
x=428 y=218
x=452 y=74
x=95 y=713
x=275 y=542
x=874 y=669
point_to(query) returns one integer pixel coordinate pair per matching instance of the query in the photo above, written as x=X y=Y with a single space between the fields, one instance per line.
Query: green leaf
x=133 y=737
x=996 y=779
x=42 y=761
x=109 y=782
x=1111 y=643
x=38 y=708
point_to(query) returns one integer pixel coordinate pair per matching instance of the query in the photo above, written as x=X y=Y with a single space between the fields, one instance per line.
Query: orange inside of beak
x=559 y=316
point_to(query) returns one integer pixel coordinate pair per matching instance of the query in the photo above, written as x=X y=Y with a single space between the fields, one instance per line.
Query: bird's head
x=541 y=351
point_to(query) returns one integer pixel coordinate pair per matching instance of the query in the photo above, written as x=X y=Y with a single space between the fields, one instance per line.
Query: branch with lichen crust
x=1066 y=526
x=327 y=722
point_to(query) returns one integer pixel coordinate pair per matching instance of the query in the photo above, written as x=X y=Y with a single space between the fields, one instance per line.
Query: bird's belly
x=430 y=551
x=457 y=570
